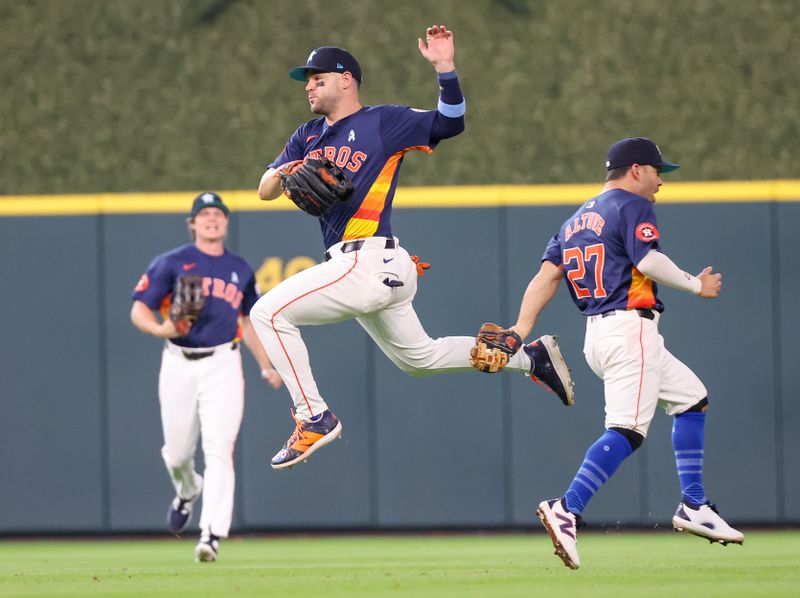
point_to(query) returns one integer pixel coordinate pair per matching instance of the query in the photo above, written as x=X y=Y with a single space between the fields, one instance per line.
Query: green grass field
x=614 y=564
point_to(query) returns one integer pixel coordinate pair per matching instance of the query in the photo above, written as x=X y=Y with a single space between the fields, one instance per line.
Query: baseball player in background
x=200 y=385
x=609 y=254
x=366 y=274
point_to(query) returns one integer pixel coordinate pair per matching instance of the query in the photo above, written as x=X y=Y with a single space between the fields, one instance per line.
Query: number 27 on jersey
x=594 y=257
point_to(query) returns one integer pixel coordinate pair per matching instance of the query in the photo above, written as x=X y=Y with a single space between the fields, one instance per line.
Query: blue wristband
x=451 y=100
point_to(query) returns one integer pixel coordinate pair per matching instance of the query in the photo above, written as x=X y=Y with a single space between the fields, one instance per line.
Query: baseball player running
x=366 y=274
x=609 y=254
x=200 y=385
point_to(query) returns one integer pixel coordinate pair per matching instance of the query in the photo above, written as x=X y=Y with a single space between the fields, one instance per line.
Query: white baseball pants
x=373 y=285
x=627 y=352
x=202 y=398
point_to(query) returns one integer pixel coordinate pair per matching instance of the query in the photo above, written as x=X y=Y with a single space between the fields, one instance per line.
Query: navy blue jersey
x=228 y=285
x=369 y=146
x=598 y=249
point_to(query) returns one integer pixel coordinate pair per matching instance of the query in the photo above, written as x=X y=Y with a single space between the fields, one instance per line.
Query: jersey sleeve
x=639 y=229
x=294 y=148
x=155 y=284
x=405 y=128
x=552 y=252
x=250 y=292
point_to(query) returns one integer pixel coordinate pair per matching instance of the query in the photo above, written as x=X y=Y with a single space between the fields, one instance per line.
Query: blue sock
x=688 y=440
x=601 y=461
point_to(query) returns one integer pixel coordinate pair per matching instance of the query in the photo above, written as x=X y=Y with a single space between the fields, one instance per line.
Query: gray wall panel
x=787 y=285
x=440 y=450
x=716 y=339
x=139 y=484
x=51 y=436
x=550 y=440
x=332 y=489
x=651 y=484
x=440 y=443
x=449 y=450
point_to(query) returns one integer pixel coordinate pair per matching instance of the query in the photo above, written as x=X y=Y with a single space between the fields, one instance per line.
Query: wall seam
x=505 y=381
x=372 y=434
x=239 y=502
x=102 y=370
x=780 y=485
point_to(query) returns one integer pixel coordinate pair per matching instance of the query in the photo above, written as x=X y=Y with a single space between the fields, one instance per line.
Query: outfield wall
x=80 y=435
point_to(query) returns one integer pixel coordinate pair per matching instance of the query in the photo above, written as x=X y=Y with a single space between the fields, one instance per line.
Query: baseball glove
x=493 y=347
x=187 y=302
x=316 y=186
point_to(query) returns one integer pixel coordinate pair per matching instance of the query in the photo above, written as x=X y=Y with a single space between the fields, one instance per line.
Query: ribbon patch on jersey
x=647 y=232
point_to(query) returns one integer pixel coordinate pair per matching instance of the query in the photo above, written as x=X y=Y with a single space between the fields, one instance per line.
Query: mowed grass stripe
x=652 y=564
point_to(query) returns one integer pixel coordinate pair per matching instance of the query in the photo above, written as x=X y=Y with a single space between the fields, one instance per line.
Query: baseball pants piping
x=639 y=374
x=373 y=285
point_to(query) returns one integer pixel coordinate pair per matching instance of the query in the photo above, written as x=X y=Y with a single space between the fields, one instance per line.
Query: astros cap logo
x=205 y=200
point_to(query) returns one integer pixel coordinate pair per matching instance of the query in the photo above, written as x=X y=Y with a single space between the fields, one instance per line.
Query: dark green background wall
x=80 y=432
x=156 y=95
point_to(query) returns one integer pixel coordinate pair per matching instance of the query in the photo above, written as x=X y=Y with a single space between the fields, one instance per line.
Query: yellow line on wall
x=467 y=196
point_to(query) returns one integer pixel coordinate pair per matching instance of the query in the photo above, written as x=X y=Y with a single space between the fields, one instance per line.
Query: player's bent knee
x=265 y=312
x=261 y=311
x=634 y=438
x=699 y=407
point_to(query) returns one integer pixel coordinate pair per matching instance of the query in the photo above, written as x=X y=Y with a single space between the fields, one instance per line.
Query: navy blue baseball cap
x=208 y=199
x=637 y=150
x=328 y=59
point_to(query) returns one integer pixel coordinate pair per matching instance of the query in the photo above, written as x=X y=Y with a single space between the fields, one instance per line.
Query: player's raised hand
x=438 y=48
x=710 y=283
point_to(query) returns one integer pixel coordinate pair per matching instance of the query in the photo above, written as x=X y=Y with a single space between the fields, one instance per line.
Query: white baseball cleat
x=563 y=529
x=704 y=521
x=207 y=549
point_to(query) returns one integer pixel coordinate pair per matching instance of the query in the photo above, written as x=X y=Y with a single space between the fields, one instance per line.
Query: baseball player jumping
x=200 y=385
x=608 y=253
x=366 y=274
